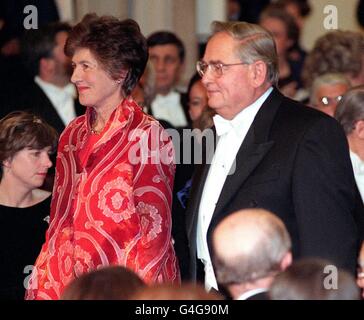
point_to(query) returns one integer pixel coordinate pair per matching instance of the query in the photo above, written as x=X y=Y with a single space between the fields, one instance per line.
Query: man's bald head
x=248 y=245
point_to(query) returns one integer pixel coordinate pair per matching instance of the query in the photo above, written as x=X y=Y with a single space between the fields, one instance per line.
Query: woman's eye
x=194 y=103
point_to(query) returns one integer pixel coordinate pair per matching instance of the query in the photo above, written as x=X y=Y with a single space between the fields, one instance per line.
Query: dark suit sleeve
x=324 y=195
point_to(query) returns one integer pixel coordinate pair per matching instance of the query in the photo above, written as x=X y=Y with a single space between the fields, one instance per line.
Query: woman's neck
x=12 y=195
x=102 y=116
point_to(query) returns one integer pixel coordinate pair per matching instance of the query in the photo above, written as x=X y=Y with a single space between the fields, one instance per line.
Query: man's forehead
x=220 y=47
x=163 y=50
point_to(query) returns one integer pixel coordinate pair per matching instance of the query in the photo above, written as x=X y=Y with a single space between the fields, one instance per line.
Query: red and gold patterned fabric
x=111 y=203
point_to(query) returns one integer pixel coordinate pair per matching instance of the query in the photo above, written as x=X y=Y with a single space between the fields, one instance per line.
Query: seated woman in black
x=25 y=144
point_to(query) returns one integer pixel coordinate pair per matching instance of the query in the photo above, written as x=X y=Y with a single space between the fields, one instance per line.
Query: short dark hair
x=20 y=130
x=302 y=5
x=39 y=43
x=107 y=283
x=274 y=11
x=161 y=38
x=116 y=44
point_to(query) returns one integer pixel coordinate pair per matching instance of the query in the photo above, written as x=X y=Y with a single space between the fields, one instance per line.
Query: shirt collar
x=251 y=293
x=68 y=89
x=246 y=115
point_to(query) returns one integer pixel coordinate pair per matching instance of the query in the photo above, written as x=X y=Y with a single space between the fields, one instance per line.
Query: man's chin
x=163 y=90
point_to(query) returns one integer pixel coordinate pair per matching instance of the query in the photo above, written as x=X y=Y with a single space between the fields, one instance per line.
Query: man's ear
x=359 y=129
x=46 y=65
x=286 y=261
x=258 y=72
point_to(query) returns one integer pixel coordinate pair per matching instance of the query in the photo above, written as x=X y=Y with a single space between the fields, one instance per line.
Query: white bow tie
x=222 y=125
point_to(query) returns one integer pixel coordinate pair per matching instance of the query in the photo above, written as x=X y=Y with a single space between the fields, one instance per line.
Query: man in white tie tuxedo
x=167 y=55
x=272 y=153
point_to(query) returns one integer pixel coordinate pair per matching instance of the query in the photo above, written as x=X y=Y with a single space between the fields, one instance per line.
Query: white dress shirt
x=251 y=293
x=358 y=166
x=62 y=99
x=231 y=136
x=169 y=108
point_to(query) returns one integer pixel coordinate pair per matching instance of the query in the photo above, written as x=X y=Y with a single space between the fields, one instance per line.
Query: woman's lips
x=81 y=89
x=42 y=174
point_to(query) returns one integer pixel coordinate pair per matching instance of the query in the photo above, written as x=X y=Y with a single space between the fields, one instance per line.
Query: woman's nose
x=75 y=75
x=47 y=161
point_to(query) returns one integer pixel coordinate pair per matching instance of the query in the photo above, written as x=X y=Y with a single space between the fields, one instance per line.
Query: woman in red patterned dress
x=114 y=174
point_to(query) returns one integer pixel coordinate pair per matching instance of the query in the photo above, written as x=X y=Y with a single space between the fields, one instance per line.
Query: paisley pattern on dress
x=111 y=203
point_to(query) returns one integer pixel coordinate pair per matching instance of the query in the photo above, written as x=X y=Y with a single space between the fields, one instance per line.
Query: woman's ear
x=6 y=163
x=122 y=76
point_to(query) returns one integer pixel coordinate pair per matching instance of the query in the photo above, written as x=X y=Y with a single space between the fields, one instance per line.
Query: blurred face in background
x=279 y=32
x=167 y=66
x=197 y=100
x=358 y=79
x=63 y=64
x=328 y=96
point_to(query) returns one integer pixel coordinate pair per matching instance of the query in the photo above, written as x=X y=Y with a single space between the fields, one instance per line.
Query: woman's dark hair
x=20 y=130
x=108 y=283
x=117 y=45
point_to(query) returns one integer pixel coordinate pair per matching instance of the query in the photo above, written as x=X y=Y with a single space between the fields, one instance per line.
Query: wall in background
x=314 y=26
x=190 y=19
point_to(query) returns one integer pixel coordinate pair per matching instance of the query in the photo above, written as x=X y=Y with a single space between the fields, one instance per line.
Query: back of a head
x=350 y=109
x=185 y=291
x=249 y=245
x=110 y=283
x=314 y=279
x=255 y=44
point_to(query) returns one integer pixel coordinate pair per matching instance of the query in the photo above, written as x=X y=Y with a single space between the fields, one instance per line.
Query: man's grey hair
x=255 y=43
x=350 y=109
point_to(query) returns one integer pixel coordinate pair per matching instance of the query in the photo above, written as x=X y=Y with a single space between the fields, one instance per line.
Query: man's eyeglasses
x=330 y=100
x=216 y=68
